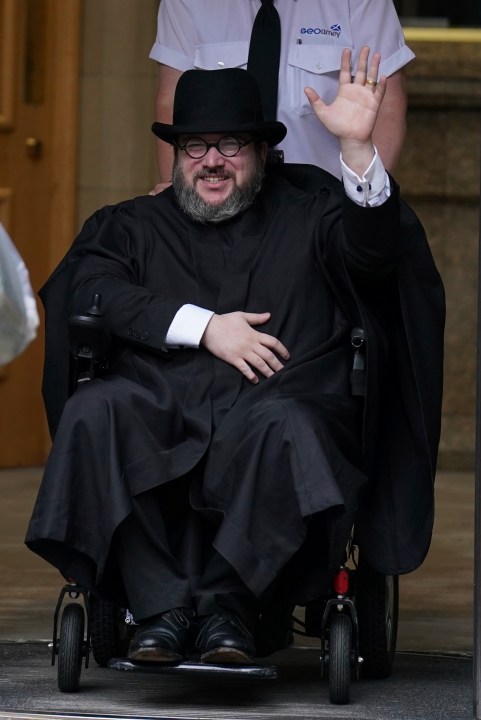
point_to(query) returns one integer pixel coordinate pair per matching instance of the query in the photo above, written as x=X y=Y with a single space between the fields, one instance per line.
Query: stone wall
x=439 y=176
x=117 y=102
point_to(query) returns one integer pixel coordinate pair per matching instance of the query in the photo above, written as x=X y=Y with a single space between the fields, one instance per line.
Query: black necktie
x=264 y=54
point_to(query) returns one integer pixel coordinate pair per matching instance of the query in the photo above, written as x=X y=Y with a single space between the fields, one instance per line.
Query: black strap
x=264 y=55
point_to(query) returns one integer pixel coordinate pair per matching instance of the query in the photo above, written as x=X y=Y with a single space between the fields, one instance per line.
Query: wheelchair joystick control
x=94 y=309
x=358 y=372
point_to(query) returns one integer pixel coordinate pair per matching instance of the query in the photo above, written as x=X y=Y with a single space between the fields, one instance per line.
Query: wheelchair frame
x=346 y=651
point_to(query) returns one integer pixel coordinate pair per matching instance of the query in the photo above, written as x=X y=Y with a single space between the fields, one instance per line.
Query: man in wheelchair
x=221 y=459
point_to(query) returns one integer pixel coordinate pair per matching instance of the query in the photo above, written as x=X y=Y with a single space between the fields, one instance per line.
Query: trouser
x=164 y=554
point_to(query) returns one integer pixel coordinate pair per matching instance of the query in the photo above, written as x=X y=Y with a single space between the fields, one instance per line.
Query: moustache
x=218 y=172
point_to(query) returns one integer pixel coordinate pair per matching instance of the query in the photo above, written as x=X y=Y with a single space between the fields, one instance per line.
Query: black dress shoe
x=223 y=638
x=163 y=638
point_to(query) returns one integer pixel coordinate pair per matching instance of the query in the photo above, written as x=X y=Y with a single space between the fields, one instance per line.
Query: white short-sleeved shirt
x=215 y=34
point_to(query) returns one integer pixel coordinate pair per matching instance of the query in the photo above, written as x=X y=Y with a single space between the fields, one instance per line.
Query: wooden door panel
x=35 y=196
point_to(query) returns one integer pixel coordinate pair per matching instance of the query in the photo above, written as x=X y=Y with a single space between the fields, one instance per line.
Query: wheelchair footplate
x=260 y=672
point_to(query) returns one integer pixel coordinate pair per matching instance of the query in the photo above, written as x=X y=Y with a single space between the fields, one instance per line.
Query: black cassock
x=272 y=456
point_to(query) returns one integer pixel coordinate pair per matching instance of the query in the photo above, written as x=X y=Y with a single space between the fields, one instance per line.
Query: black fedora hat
x=217 y=101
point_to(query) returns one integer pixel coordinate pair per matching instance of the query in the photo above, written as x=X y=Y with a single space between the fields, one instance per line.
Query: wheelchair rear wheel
x=71 y=648
x=340 y=652
x=108 y=631
x=377 y=610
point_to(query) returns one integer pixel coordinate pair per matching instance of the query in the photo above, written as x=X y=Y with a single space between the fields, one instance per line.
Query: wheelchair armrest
x=89 y=343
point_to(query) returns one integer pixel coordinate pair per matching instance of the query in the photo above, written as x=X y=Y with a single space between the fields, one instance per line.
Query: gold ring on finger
x=373 y=83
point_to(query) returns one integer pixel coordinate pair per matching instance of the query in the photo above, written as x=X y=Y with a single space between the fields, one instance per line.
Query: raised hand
x=353 y=113
x=232 y=338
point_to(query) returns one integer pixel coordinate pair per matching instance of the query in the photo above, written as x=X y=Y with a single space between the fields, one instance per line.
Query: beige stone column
x=117 y=95
x=439 y=176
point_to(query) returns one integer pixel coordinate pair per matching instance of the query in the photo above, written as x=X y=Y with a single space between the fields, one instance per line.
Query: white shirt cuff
x=373 y=188
x=187 y=327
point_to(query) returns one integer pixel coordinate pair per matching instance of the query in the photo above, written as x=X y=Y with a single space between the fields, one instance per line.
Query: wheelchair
x=356 y=622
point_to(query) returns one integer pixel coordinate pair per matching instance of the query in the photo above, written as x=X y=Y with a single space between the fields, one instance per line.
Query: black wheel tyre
x=339 y=668
x=70 y=648
x=106 y=637
x=377 y=611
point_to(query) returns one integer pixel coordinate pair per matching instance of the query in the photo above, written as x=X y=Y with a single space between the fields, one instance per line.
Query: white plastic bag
x=18 y=309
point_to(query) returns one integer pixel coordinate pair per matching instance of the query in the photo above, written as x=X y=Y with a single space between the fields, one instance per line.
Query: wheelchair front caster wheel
x=340 y=650
x=71 y=648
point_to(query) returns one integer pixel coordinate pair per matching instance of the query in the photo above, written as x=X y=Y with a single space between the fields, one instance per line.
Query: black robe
x=275 y=454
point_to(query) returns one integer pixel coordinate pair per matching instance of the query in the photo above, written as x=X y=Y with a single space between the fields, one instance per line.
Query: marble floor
x=435 y=601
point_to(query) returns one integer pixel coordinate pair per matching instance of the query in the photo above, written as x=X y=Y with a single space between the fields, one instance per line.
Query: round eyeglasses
x=228 y=146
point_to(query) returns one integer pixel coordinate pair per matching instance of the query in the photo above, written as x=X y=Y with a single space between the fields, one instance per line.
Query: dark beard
x=201 y=211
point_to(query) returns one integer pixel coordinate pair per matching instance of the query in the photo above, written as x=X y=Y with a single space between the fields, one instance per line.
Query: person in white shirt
x=210 y=35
